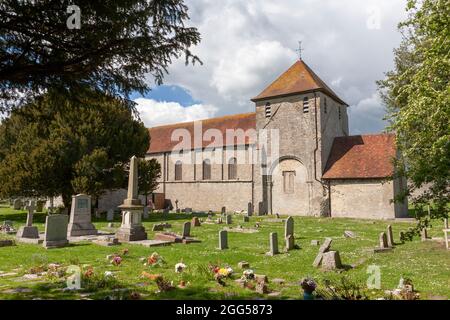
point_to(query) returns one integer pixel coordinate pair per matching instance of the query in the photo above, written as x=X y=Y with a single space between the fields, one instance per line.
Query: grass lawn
x=427 y=264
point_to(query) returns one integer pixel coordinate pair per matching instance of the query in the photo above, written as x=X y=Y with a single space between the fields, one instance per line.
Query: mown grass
x=427 y=264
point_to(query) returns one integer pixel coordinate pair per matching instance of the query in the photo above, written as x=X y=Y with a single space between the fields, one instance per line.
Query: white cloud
x=367 y=116
x=155 y=113
x=246 y=44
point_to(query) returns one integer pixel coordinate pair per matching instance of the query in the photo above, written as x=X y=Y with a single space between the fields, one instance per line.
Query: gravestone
x=17 y=204
x=195 y=222
x=290 y=243
x=223 y=239
x=80 y=217
x=245 y=219
x=325 y=247
x=445 y=223
x=315 y=242
x=390 y=236
x=250 y=209
x=28 y=231
x=289 y=227
x=188 y=210
x=383 y=241
x=186 y=229
x=131 y=228
x=110 y=215
x=331 y=260
x=277 y=215
x=228 y=219
x=424 y=234
x=349 y=234
x=55 y=231
x=146 y=211
x=40 y=205
x=273 y=244
x=261 y=209
x=223 y=210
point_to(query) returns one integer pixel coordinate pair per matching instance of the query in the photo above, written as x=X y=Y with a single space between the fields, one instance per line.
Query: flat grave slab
x=152 y=243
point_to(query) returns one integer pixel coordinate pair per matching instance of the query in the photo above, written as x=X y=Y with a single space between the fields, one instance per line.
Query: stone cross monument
x=29 y=231
x=131 y=228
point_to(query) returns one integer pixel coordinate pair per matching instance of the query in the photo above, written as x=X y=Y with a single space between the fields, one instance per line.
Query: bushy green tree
x=417 y=95
x=117 y=45
x=62 y=147
x=149 y=173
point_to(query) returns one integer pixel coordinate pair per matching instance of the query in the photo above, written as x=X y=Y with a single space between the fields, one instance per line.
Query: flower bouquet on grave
x=155 y=260
x=179 y=267
x=116 y=260
x=308 y=285
x=248 y=275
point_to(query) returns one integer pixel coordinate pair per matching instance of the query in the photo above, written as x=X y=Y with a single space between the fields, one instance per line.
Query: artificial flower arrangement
x=179 y=267
x=116 y=260
x=155 y=260
x=308 y=285
x=248 y=275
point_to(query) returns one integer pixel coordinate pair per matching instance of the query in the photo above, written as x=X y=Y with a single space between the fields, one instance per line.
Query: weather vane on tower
x=300 y=50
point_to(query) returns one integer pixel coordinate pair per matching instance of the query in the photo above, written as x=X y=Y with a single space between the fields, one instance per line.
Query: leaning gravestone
x=289 y=227
x=383 y=243
x=186 y=229
x=80 y=217
x=110 y=215
x=29 y=231
x=325 y=247
x=55 y=231
x=273 y=244
x=331 y=260
x=223 y=239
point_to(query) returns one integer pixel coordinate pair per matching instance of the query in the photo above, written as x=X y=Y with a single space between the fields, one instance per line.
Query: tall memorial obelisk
x=131 y=228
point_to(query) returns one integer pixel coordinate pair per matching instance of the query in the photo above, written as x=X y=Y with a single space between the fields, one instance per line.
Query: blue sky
x=246 y=44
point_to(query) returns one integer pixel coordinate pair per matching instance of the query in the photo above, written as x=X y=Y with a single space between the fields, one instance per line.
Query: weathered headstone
x=40 y=206
x=17 y=204
x=289 y=227
x=250 y=209
x=331 y=260
x=383 y=240
x=131 y=228
x=223 y=210
x=245 y=219
x=325 y=247
x=145 y=213
x=273 y=250
x=195 y=222
x=55 y=231
x=390 y=236
x=110 y=215
x=290 y=243
x=188 y=210
x=243 y=265
x=228 y=219
x=29 y=231
x=186 y=229
x=80 y=217
x=424 y=234
x=223 y=239
x=261 y=209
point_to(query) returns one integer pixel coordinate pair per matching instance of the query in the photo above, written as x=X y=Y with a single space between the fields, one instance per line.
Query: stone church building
x=319 y=169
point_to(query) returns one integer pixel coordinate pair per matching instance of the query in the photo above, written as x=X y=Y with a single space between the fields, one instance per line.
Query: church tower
x=301 y=116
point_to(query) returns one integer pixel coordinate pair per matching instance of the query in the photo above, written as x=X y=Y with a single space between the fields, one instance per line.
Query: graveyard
x=30 y=271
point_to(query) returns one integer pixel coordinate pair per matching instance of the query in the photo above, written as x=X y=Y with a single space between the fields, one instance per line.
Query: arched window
x=232 y=169
x=178 y=171
x=206 y=169
x=305 y=105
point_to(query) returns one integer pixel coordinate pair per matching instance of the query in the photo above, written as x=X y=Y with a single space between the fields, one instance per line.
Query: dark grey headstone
x=186 y=229
x=223 y=239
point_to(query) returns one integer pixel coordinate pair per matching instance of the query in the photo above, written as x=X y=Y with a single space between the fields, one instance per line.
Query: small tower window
x=340 y=113
x=325 y=105
x=206 y=169
x=232 y=169
x=305 y=105
x=178 y=171
x=268 y=110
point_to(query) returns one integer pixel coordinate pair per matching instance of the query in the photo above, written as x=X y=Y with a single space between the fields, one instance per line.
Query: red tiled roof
x=160 y=137
x=299 y=78
x=363 y=157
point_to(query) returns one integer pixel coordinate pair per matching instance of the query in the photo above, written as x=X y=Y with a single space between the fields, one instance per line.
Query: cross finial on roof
x=300 y=50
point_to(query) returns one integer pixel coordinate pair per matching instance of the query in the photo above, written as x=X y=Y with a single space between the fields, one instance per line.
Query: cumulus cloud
x=155 y=113
x=246 y=44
